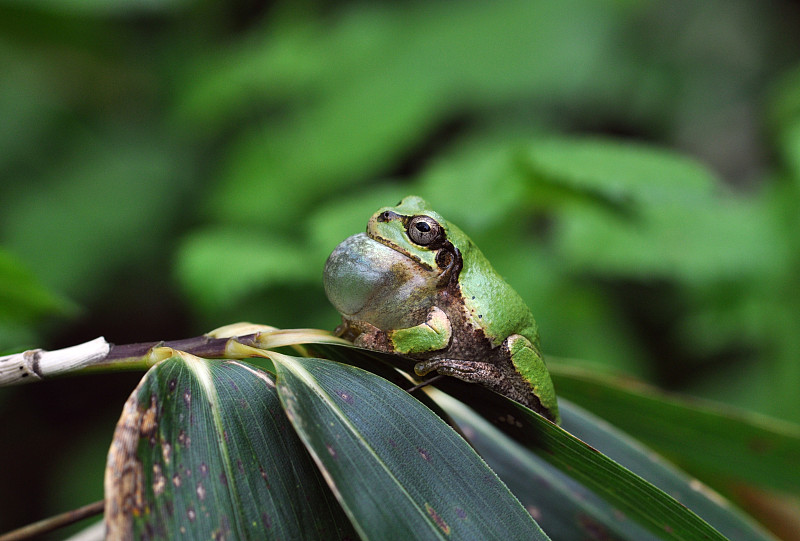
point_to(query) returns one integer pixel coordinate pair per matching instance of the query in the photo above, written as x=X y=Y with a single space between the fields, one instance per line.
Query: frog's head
x=416 y=231
x=391 y=274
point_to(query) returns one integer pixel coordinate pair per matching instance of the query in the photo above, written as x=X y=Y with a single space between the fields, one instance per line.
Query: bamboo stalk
x=101 y=355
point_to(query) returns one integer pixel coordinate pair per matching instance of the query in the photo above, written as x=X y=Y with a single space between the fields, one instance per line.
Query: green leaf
x=564 y=508
x=637 y=498
x=101 y=7
x=565 y=499
x=399 y=472
x=724 y=441
x=690 y=492
x=373 y=84
x=204 y=450
x=222 y=266
x=632 y=210
x=22 y=298
x=105 y=208
x=619 y=172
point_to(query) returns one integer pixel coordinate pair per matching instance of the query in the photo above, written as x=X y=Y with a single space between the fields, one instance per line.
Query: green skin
x=417 y=285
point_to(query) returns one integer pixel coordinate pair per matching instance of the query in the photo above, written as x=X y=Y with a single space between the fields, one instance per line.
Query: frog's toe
x=422 y=368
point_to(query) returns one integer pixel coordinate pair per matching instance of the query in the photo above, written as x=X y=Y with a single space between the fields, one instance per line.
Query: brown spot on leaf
x=534 y=511
x=159 y=482
x=438 y=519
x=760 y=446
x=424 y=454
x=331 y=450
x=344 y=395
x=204 y=469
x=149 y=423
x=166 y=452
x=183 y=439
x=201 y=491
x=190 y=514
x=593 y=528
x=124 y=482
x=176 y=480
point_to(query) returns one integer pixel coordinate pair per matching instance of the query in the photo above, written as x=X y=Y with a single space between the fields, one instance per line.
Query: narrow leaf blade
x=563 y=507
x=637 y=498
x=398 y=470
x=203 y=450
x=724 y=441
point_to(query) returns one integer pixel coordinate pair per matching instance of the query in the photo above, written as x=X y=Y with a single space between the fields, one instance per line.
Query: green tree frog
x=416 y=285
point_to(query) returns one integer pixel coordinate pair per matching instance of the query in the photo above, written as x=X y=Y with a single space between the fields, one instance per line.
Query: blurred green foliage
x=632 y=168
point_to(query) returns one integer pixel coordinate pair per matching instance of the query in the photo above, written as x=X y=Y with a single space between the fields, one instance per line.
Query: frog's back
x=491 y=301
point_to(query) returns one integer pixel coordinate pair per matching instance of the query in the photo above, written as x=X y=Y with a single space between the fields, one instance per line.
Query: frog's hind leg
x=471 y=371
x=499 y=378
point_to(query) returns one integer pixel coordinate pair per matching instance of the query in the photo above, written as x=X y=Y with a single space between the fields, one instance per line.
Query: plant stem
x=53 y=523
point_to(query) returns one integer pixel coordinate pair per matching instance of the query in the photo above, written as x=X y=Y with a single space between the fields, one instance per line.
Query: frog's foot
x=471 y=371
x=374 y=339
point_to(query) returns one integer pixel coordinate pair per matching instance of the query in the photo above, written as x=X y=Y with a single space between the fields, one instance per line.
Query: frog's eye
x=424 y=230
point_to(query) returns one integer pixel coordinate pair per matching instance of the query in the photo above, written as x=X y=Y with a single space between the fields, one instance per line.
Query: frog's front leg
x=431 y=335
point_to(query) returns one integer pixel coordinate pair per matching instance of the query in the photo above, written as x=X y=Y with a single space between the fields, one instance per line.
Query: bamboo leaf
x=690 y=492
x=724 y=441
x=634 y=496
x=399 y=472
x=564 y=508
x=203 y=450
x=637 y=498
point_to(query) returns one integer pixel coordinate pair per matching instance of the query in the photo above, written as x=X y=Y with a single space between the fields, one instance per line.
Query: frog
x=416 y=285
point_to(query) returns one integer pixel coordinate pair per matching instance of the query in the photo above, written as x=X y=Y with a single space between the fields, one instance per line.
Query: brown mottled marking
x=159 y=483
x=124 y=477
x=331 y=450
x=201 y=491
x=150 y=419
x=593 y=528
x=183 y=439
x=344 y=395
x=440 y=522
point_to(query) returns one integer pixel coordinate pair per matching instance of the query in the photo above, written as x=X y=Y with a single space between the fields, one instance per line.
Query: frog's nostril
x=387 y=215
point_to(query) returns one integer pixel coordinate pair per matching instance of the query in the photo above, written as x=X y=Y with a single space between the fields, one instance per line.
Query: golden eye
x=424 y=230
